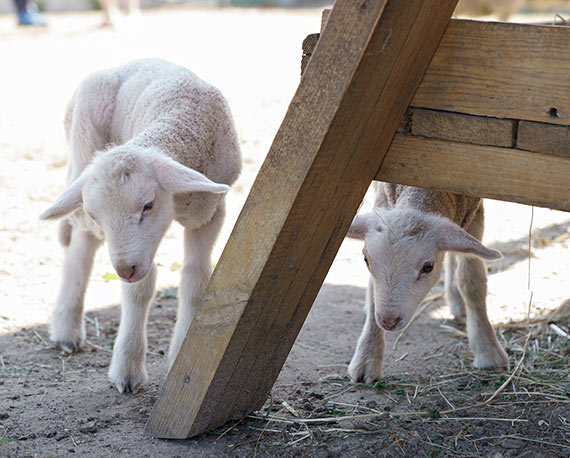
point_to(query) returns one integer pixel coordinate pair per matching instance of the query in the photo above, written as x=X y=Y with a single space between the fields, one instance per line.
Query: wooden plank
x=485 y=171
x=544 y=138
x=499 y=69
x=324 y=17
x=335 y=134
x=502 y=70
x=308 y=47
x=458 y=127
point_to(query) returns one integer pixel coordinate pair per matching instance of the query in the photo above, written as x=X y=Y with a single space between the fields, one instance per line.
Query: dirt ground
x=54 y=405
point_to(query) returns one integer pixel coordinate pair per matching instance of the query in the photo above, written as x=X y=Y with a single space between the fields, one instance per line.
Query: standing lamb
x=150 y=142
x=405 y=240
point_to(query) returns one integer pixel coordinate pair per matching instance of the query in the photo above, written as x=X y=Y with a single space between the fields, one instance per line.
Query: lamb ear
x=178 y=179
x=361 y=224
x=68 y=201
x=452 y=238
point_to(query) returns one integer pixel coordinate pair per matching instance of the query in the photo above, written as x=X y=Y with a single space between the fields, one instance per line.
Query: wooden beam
x=464 y=128
x=544 y=138
x=485 y=171
x=309 y=43
x=503 y=70
x=341 y=121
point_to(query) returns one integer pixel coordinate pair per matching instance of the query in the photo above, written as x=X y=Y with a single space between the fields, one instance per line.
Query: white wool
x=405 y=239
x=149 y=142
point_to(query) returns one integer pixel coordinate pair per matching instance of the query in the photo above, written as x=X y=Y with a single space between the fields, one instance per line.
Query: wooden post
x=341 y=121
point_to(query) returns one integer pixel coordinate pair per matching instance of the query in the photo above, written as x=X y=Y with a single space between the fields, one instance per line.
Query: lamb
x=405 y=239
x=149 y=142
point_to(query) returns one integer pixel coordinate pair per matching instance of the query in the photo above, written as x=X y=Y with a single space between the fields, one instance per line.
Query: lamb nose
x=126 y=272
x=391 y=324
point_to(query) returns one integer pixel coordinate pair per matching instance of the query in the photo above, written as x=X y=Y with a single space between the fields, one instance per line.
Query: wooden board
x=462 y=128
x=499 y=69
x=341 y=121
x=309 y=44
x=485 y=171
x=502 y=70
x=544 y=138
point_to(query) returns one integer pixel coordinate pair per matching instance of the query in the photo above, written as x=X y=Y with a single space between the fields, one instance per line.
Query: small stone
x=88 y=428
x=4 y=415
x=511 y=444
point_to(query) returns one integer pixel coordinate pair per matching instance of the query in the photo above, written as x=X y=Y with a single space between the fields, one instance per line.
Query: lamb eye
x=427 y=268
x=147 y=207
x=366 y=261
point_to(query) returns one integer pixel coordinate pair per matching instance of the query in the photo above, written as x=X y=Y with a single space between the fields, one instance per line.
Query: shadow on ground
x=58 y=405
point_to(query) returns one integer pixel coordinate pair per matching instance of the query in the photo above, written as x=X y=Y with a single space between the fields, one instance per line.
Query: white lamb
x=150 y=142
x=405 y=240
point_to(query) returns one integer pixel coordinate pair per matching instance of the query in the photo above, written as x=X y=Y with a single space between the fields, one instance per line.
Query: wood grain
x=324 y=17
x=502 y=70
x=308 y=47
x=484 y=171
x=458 y=127
x=339 y=125
x=544 y=138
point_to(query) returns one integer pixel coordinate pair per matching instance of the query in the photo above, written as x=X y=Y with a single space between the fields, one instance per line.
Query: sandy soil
x=58 y=405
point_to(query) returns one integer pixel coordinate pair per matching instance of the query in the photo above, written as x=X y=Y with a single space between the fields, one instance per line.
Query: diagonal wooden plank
x=340 y=123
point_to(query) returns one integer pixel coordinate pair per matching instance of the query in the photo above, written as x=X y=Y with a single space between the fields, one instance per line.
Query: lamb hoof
x=68 y=346
x=364 y=371
x=492 y=360
x=127 y=381
x=127 y=386
x=68 y=337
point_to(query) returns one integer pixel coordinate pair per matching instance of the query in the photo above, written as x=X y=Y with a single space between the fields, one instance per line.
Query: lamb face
x=128 y=196
x=133 y=212
x=404 y=260
x=404 y=251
